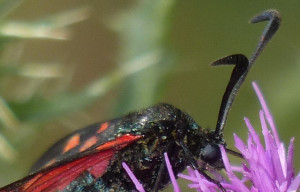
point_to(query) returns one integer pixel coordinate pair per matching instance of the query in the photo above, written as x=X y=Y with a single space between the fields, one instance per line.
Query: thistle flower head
x=266 y=167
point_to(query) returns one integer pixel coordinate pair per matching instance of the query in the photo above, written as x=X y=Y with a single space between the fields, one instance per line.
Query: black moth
x=140 y=139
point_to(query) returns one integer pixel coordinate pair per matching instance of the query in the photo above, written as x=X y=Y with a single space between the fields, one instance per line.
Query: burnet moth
x=90 y=159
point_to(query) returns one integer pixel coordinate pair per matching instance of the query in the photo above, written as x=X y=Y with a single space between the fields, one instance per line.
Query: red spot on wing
x=116 y=144
x=72 y=142
x=119 y=142
x=88 y=143
x=103 y=127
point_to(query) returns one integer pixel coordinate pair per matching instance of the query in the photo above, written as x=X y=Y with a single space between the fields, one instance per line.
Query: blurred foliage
x=22 y=82
x=140 y=36
x=126 y=55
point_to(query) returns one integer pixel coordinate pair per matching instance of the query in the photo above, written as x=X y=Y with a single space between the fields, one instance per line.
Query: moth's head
x=211 y=154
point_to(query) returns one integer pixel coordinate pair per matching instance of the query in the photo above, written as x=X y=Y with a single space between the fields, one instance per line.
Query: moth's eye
x=211 y=153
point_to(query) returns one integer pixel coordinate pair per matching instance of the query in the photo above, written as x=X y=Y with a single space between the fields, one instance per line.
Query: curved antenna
x=240 y=70
x=242 y=65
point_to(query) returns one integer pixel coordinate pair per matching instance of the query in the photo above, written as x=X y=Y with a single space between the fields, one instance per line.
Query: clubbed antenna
x=243 y=65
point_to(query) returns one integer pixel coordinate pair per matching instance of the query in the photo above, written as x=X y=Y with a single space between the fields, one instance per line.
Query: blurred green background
x=68 y=64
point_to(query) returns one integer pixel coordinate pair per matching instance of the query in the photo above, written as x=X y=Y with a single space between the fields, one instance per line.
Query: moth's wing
x=76 y=142
x=59 y=175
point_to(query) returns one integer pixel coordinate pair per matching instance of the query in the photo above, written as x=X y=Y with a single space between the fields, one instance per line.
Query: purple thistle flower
x=136 y=182
x=171 y=173
x=265 y=168
x=269 y=169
